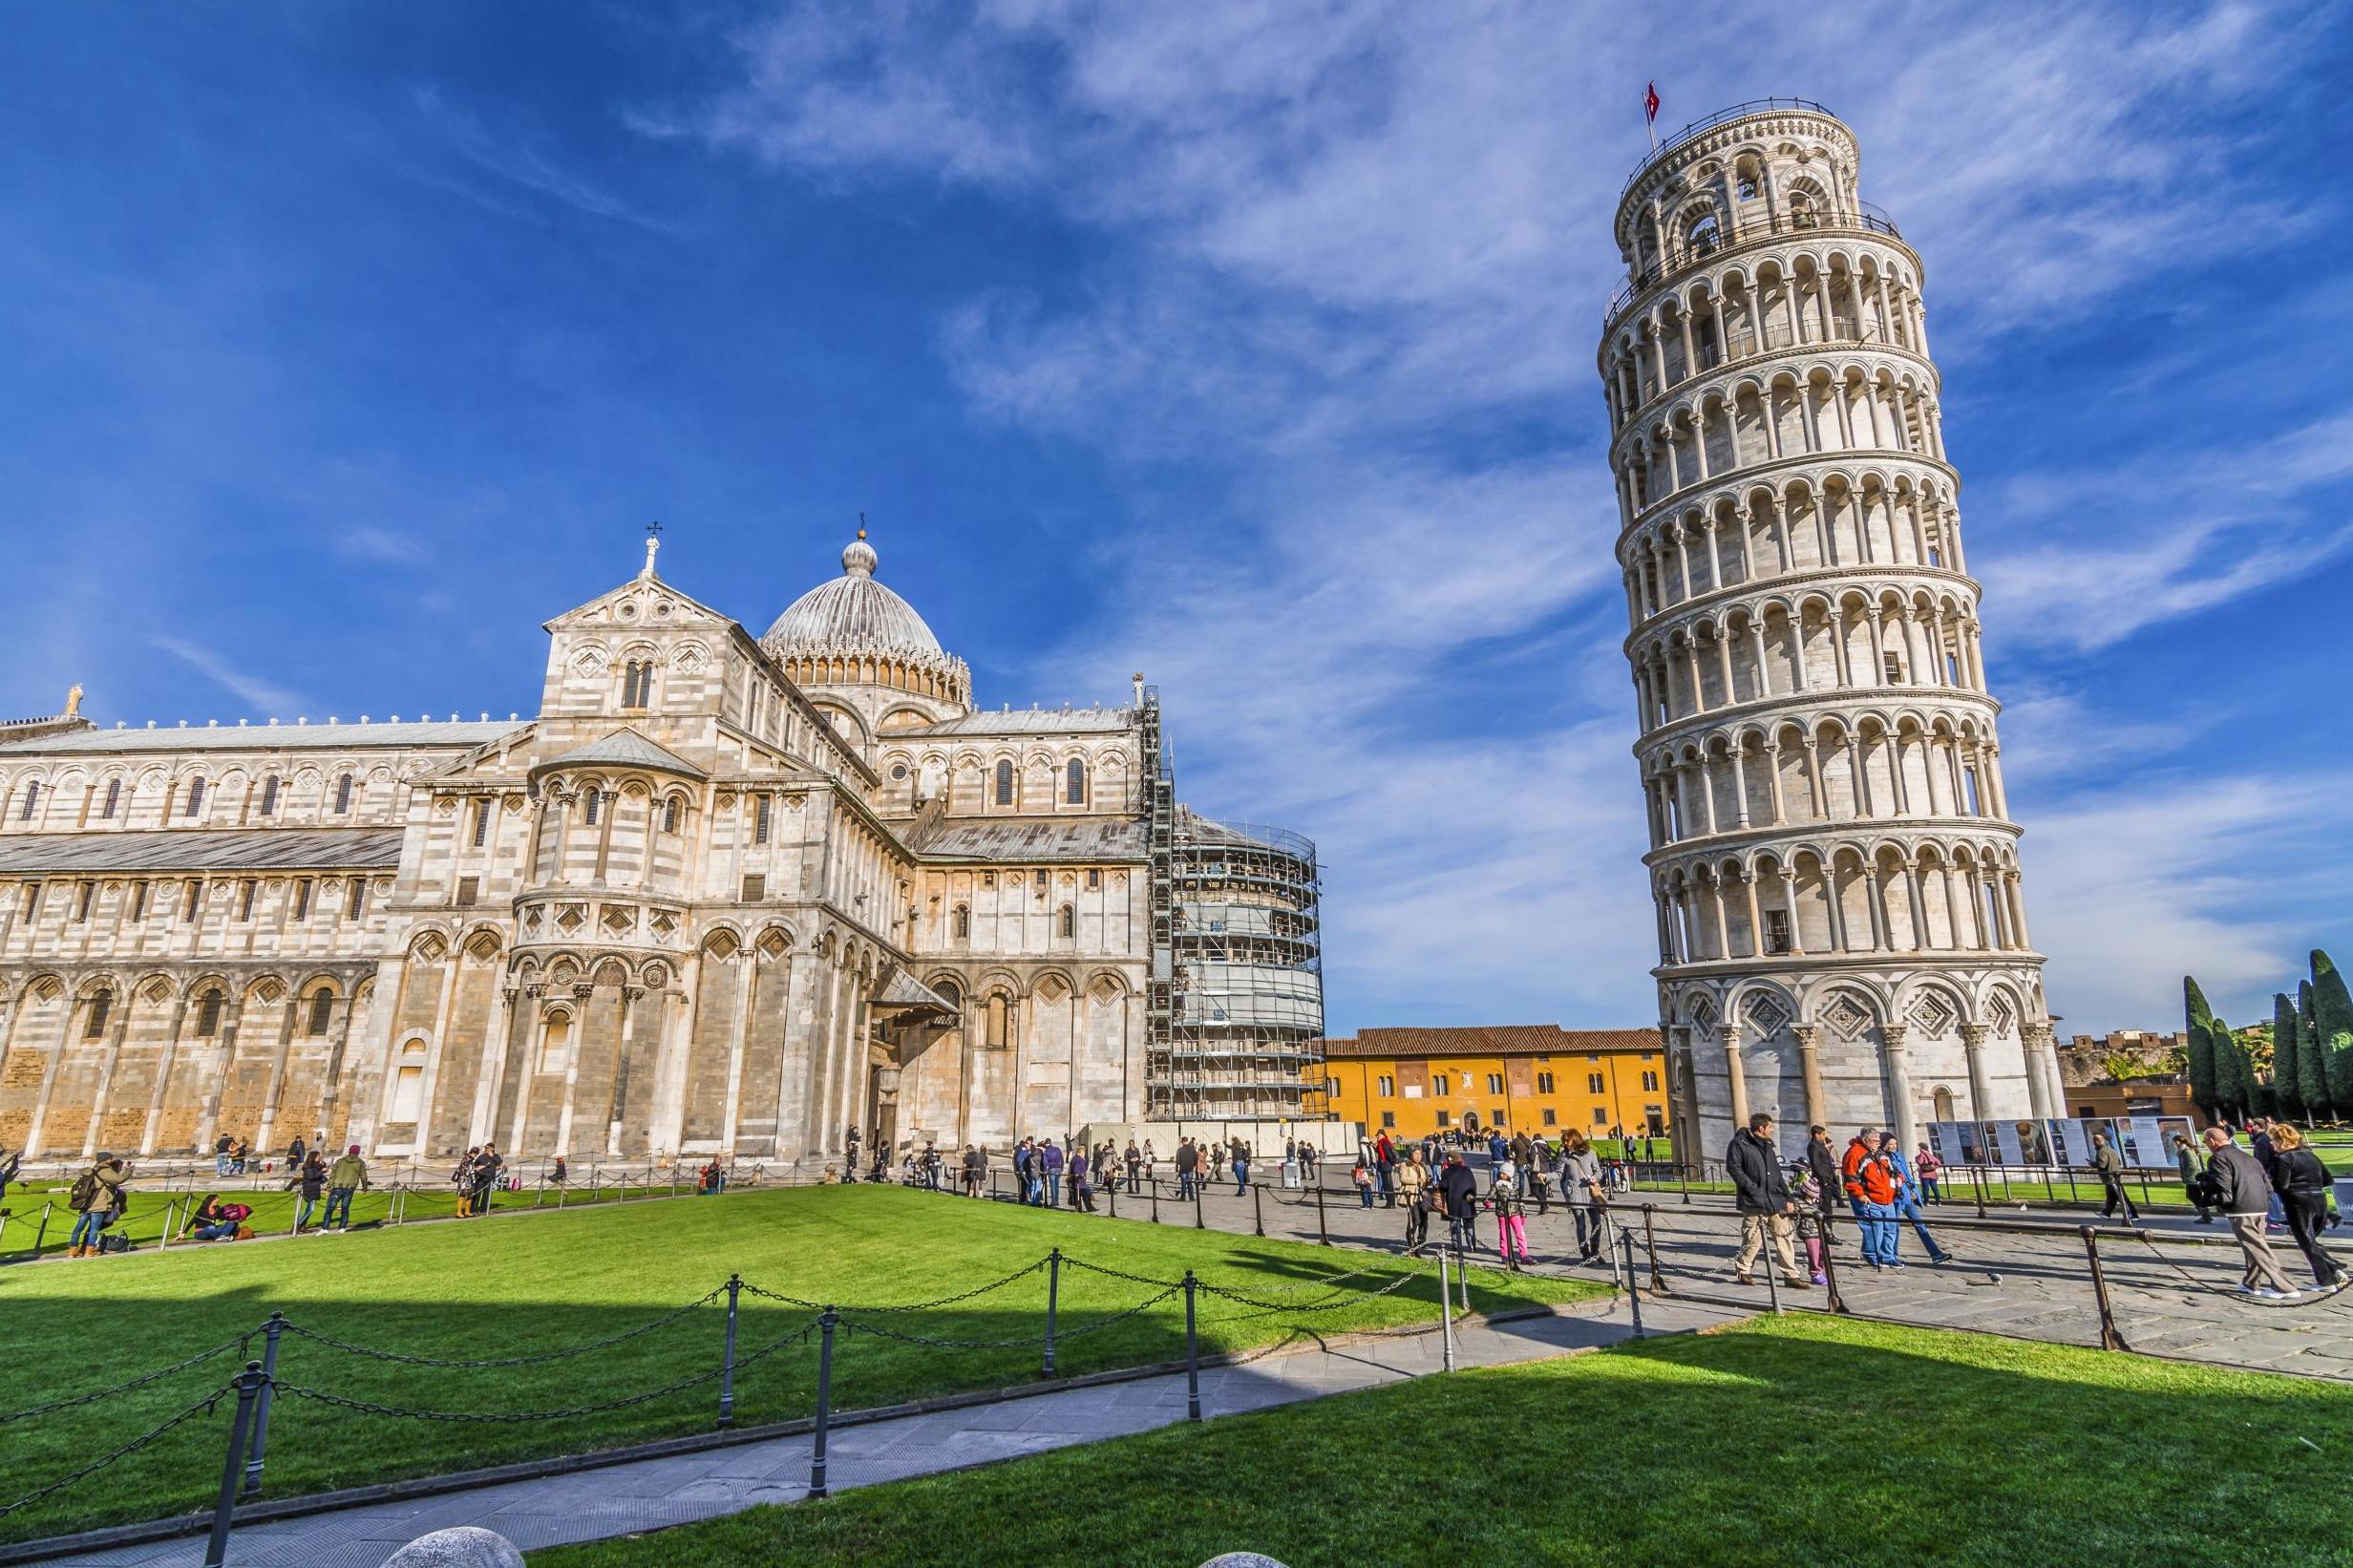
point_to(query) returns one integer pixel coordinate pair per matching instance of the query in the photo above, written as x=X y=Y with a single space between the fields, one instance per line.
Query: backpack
x=85 y=1194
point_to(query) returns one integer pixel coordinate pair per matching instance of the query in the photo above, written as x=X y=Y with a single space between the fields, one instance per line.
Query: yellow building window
x=1495 y=1083
x=1388 y=1087
x=1593 y=1083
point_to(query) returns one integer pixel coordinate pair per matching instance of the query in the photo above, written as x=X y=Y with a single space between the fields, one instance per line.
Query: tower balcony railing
x=1721 y=116
x=1864 y=218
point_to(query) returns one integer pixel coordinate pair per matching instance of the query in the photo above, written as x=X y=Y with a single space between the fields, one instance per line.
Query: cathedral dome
x=852 y=614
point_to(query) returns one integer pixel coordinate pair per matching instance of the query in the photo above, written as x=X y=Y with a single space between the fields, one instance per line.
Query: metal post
x=1683 y=1169
x=1155 y=1200
x=1650 y=1244
x=270 y=1331
x=2071 y=1183
x=42 y=1234
x=1634 y=1291
x=1445 y=1316
x=248 y=1386
x=727 y=1367
x=1257 y=1213
x=171 y=1207
x=1323 y=1232
x=1197 y=1185
x=825 y=1401
x=1462 y=1278
x=1193 y=1355
x=2110 y=1338
x=1980 y=1185
x=1830 y=1268
x=1115 y=1191
x=1053 y=1298
x=1772 y=1275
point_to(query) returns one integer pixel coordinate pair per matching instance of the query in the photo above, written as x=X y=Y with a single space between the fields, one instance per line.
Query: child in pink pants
x=1510 y=1228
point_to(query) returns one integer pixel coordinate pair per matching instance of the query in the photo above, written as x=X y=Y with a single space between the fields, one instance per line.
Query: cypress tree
x=2205 y=1084
x=2332 y=1015
x=2286 y=1060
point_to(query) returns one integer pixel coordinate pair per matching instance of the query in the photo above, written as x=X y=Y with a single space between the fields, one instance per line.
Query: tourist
x=1188 y=1164
x=2236 y=1185
x=1812 y=1216
x=348 y=1175
x=462 y=1177
x=1872 y=1186
x=294 y=1153
x=1539 y=1174
x=1362 y=1177
x=1511 y=1222
x=1082 y=1188
x=213 y=1221
x=2193 y=1169
x=1581 y=1189
x=1152 y=1162
x=10 y=1165
x=1907 y=1199
x=1930 y=1169
x=1240 y=1152
x=1503 y=1176
x=1310 y=1159
x=1217 y=1159
x=1458 y=1193
x=95 y=1197
x=486 y=1168
x=849 y=1158
x=2302 y=1183
x=975 y=1167
x=238 y=1152
x=310 y=1178
x=1024 y=1171
x=1865 y=1142
x=557 y=1176
x=2258 y=1142
x=1048 y=1167
x=1761 y=1193
x=1414 y=1187
x=1135 y=1167
x=2109 y=1166
x=1823 y=1166
x=1290 y=1163
x=220 y=1154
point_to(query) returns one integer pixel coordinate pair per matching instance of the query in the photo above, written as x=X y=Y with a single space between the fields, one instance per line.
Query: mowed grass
x=501 y=1287
x=1799 y=1440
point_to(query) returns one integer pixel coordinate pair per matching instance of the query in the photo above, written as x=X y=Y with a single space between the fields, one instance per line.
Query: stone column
x=1899 y=1086
x=1729 y=1035
x=1809 y=1038
x=163 y=1078
x=1981 y=1097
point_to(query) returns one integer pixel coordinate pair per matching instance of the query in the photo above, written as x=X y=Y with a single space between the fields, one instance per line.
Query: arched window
x=406 y=1102
x=1746 y=182
x=32 y=799
x=100 y=1005
x=322 y=1011
x=595 y=797
x=1895 y=669
x=1805 y=211
x=669 y=815
x=636 y=683
x=1069 y=920
x=961 y=924
x=556 y=1044
x=1705 y=236
x=196 y=797
x=269 y=796
x=997 y=1021
x=208 y=1015
x=343 y=795
x=1075 y=783
x=1005 y=784
x=1944 y=1104
x=114 y=796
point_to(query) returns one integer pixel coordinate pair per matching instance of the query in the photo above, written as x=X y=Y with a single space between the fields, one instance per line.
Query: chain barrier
x=141 y=1381
x=1332 y=1304
x=202 y=1406
x=517 y=1417
x=2318 y=1293
x=373 y=1354
x=1068 y=1261
x=1097 y=1326
x=751 y=1289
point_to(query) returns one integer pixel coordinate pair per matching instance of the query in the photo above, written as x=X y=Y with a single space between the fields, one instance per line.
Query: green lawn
x=1799 y=1440
x=515 y=1287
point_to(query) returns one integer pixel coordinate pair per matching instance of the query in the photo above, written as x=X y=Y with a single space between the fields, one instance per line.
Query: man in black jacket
x=1458 y=1193
x=2236 y=1184
x=1762 y=1194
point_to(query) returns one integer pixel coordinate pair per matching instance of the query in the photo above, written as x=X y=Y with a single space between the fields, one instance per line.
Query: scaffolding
x=1236 y=1000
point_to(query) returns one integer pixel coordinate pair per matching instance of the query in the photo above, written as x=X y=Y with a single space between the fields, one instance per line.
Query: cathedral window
x=962 y=924
x=357 y=904
x=1705 y=236
x=469 y=892
x=556 y=1044
x=997 y=1023
x=246 y=891
x=636 y=683
x=1004 y=785
x=81 y=902
x=595 y=804
x=191 y=897
x=343 y=795
x=196 y=797
x=1069 y=921
x=755 y=887
x=1745 y=184
x=759 y=820
x=669 y=815
x=481 y=822
x=301 y=898
x=114 y=795
x=32 y=799
x=1075 y=783
x=322 y=1011
x=1894 y=663
x=1776 y=930
x=269 y=796
x=1095 y=878
x=30 y=904
x=94 y=1026
x=138 y=903
x=208 y=1015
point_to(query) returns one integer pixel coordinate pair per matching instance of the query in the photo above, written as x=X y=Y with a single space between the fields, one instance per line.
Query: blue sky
x=1247 y=345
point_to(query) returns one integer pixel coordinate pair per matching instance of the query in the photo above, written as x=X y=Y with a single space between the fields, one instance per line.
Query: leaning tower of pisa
x=1842 y=938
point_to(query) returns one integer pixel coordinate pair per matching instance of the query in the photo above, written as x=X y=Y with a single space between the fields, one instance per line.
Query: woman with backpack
x=95 y=1198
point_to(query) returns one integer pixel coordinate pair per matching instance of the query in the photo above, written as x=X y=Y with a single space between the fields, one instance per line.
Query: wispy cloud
x=386 y=546
x=261 y=696
x=516 y=167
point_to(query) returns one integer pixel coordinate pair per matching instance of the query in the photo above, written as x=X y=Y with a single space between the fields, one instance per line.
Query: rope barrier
x=329 y=1341
x=202 y=1406
x=140 y=1381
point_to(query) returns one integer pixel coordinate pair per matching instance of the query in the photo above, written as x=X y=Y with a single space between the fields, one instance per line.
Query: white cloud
x=258 y=694
x=515 y=166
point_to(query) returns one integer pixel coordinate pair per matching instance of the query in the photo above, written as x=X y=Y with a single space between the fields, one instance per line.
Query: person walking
x=1188 y=1167
x=1859 y=1149
x=1823 y=1166
x=2258 y=1141
x=2109 y=1166
x=1217 y=1159
x=95 y=1197
x=348 y=1175
x=1240 y=1155
x=2193 y=1170
x=309 y=1179
x=220 y=1154
x=2236 y=1186
x=1582 y=1190
x=10 y=1165
x=1871 y=1187
x=2302 y=1183
x=1082 y=1184
x=1414 y=1189
x=1930 y=1169
x=1049 y=1166
x=1811 y=1218
x=1540 y=1175
x=1907 y=1199
x=1384 y=1167
x=1761 y=1194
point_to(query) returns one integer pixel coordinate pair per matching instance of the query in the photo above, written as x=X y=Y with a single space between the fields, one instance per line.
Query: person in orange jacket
x=1875 y=1186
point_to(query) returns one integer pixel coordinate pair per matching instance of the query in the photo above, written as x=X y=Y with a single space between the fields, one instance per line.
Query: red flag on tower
x=1650 y=102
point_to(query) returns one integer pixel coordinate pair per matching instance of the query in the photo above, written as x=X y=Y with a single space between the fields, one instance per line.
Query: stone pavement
x=2030 y=1278
x=649 y=1494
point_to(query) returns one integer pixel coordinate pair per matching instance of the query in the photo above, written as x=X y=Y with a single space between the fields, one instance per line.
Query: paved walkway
x=650 y=1494
x=2172 y=1297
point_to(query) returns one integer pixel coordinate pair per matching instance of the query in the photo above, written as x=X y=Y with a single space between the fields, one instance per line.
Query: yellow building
x=1522 y=1077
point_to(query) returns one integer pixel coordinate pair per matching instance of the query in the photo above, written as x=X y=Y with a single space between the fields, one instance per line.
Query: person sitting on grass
x=216 y=1221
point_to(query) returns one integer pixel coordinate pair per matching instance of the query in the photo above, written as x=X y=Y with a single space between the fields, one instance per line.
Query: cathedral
x=724 y=895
